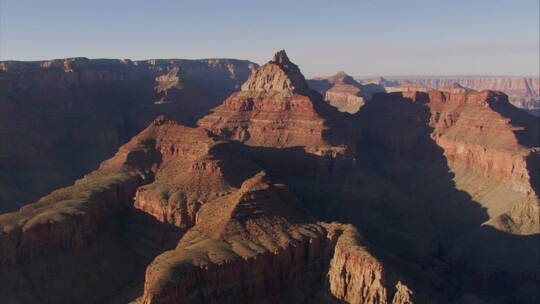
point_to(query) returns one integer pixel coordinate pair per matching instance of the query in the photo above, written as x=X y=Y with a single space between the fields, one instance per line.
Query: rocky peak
x=279 y=75
x=281 y=58
x=343 y=78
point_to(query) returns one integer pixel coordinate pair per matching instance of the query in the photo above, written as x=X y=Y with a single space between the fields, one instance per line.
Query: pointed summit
x=281 y=58
x=279 y=75
x=276 y=108
x=343 y=78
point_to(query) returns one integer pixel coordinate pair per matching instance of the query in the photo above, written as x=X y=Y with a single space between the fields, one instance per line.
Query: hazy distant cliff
x=523 y=92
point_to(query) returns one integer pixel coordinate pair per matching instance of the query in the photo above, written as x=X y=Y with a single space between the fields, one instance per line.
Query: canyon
x=61 y=118
x=345 y=93
x=523 y=92
x=348 y=94
x=288 y=190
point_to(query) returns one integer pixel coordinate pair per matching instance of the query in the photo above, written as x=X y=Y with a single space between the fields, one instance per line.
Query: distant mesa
x=344 y=92
x=455 y=87
x=523 y=92
x=408 y=87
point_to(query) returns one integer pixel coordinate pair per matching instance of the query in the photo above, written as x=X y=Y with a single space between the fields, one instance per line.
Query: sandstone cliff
x=443 y=186
x=523 y=92
x=275 y=108
x=465 y=165
x=257 y=245
x=245 y=236
x=345 y=93
x=61 y=118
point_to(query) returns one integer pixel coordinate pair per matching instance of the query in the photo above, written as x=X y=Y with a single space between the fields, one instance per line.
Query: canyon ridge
x=221 y=181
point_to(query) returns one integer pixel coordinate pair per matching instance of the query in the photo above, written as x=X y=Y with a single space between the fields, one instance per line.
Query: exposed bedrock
x=59 y=119
x=461 y=168
x=257 y=246
x=345 y=93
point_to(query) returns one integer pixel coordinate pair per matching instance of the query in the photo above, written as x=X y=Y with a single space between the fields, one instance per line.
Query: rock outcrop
x=257 y=245
x=523 y=92
x=443 y=186
x=512 y=86
x=275 y=108
x=242 y=235
x=467 y=164
x=345 y=93
x=61 y=118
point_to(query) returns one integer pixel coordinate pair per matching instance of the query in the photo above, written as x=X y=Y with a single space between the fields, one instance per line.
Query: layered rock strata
x=467 y=164
x=256 y=245
x=275 y=108
x=523 y=92
x=59 y=119
x=345 y=93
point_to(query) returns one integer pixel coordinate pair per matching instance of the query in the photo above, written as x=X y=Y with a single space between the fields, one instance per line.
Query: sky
x=360 y=37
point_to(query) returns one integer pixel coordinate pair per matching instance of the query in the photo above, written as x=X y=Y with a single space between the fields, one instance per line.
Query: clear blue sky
x=361 y=37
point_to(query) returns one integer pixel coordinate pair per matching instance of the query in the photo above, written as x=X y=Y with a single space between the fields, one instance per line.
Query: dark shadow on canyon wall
x=54 y=136
x=400 y=192
x=528 y=132
x=533 y=166
x=528 y=135
x=421 y=216
x=320 y=85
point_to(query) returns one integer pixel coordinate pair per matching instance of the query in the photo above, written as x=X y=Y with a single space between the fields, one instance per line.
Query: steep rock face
x=193 y=170
x=294 y=134
x=479 y=132
x=442 y=183
x=275 y=108
x=81 y=224
x=61 y=118
x=476 y=135
x=467 y=164
x=68 y=239
x=45 y=227
x=523 y=92
x=343 y=92
x=256 y=245
x=278 y=75
x=518 y=86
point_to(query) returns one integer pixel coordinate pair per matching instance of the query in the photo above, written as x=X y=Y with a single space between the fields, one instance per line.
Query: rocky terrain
x=275 y=196
x=343 y=92
x=523 y=92
x=61 y=118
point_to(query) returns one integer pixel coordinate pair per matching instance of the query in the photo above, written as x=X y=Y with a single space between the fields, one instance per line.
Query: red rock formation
x=66 y=220
x=523 y=92
x=247 y=238
x=255 y=245
x=343 y=92
x=275 y=108
x=192 y=171
x=476 y=132
x=519 y=86
x=49 y=111
x=462 y=164
x=407 y=87
x=456 y=88
x=442 y=183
